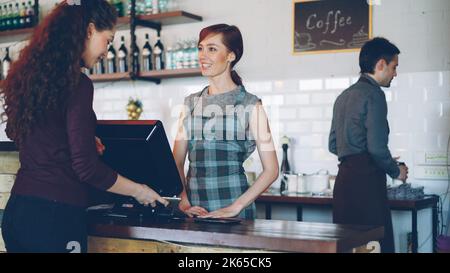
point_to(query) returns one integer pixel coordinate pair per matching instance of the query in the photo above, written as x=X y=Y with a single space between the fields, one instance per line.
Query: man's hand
x=403 y=173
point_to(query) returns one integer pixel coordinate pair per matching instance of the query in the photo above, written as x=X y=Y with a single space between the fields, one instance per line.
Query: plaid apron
x=219 y=142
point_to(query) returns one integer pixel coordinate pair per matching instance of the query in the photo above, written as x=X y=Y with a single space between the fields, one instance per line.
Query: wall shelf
x=155 y=75
x=15 y=32
x=166 y=18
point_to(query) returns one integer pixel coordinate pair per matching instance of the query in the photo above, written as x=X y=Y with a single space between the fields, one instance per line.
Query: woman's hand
x=99 y=145
x=227 y=212
x=146 y=196
x=191 y=211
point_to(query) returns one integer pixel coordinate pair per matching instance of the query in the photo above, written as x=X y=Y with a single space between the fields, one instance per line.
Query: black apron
x=360 y=197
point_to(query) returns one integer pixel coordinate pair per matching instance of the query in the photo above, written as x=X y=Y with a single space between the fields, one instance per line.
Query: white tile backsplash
x=297 y=127
x=322 y=155
x=408 y=94
x=425 y=79
x=309 y=85
x=443 y=141
x=310 y=113
x=400 y=140
x=437 y=93
x=323 y=98
x=337 y=83
x=285 y=86
x=287 y=113
x=432 y=110
x=446 y=109
x=298 y=99
x=438 y=125
x=444 y=77
x=256 y=87
x=321 y=126
x=272 y=100
x=426 y=141
x=314 y=140
x=328 y=112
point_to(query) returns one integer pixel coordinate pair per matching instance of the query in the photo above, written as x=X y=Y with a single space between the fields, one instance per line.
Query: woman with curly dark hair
x=48 y=106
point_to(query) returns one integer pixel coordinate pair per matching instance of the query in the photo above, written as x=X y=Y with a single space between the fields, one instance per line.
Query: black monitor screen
x=140 y=151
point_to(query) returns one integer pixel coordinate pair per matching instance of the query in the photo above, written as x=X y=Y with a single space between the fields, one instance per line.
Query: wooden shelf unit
x=156 y=74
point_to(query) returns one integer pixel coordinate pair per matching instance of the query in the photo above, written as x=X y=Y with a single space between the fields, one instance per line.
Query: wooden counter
x=258 y=235
x=299 y=200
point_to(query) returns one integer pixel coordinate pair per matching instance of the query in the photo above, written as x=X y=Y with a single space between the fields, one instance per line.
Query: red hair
x=232 y=39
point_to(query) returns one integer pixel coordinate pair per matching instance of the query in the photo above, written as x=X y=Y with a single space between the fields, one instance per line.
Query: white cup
x=292 y=182
x=301 y=185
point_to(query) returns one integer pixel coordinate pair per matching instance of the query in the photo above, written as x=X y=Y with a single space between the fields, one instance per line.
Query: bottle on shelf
x=194 y=54
x=9 y=17
x=16 y=16
x=158 y=53
x=122 y=56
x=155 y=6
x=148 y=7
x=147 y=54
x=30 y=20
x=100 y=67
x=2 y=19
x=285 y=168
x=178 y=56
x=169 y=58
x=173 y=5
x=23 y=15
x=118 y=4
x=6 y=64
x=111 y=66
x=136 y=67
x=186 y=55
x=162 y=5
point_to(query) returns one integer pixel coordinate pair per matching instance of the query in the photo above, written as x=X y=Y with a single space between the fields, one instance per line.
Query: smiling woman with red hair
x=220 y=128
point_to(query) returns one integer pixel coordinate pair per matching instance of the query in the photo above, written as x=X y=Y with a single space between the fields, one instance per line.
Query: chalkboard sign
x=322 y=26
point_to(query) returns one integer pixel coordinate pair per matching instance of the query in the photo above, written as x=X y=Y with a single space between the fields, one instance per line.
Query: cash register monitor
x=140 y=151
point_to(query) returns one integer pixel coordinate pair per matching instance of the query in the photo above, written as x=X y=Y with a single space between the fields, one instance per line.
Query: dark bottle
x=158 y=52
x=6 y=64
x=16 y=16
x=2 y=19
x=147 y=64
x=111 y=66
x=122 y=55
x=100 y=67
x=135 y=58
x=23 y=15
x=9 y=17
x=30 y=20
x=285 y=168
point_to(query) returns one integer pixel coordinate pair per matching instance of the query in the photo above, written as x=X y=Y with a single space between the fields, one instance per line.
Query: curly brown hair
x=49 y=68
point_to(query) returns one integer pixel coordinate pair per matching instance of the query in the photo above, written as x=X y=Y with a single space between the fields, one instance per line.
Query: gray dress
x=219 y=142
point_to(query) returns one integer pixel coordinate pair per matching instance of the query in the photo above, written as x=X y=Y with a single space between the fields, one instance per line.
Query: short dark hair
x=374 y=50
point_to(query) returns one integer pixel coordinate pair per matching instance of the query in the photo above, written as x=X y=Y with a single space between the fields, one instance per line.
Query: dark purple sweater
x=59 y=160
